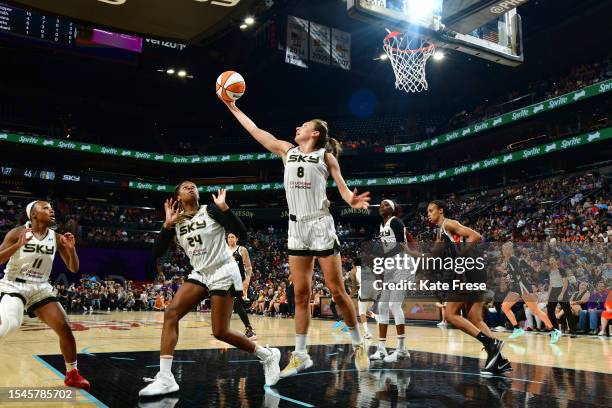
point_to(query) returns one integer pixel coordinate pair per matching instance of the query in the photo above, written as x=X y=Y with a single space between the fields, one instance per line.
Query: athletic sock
x=516 y=326
x=365 y=326
x=262 y=353
x=300 y=343
x=485 y=340
x=71 y=366
x=355 y=335
x=400 y=342
x=165 y=364
x=382 y=344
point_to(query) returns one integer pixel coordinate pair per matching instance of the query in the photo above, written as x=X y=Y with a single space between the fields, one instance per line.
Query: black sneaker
x=501 y=366
x=250 y=334
x=493 y=352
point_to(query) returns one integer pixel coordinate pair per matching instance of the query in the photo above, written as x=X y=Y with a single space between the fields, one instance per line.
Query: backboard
x=452 y=24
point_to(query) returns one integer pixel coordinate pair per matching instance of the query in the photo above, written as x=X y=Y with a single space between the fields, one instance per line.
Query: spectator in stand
x=594 y=309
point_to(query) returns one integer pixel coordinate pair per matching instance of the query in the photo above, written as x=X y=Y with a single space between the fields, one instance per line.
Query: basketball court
x=117 y=349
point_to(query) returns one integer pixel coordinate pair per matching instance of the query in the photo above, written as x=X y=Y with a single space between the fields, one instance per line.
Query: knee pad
x=383 y=312
x=11 y=314
x=398 y=312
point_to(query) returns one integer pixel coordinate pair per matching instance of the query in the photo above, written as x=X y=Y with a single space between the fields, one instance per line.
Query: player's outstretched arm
x=266 y=139
x=351 y=197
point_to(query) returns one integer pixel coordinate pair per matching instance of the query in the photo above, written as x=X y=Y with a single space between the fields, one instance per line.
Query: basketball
x=230 y=86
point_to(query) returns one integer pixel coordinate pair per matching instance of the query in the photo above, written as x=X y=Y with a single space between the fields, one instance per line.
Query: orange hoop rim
x=407 y=51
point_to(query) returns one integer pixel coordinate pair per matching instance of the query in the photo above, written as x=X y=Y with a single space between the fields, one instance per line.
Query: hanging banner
x=320 y=43
x=296 y=52
x=341 y=49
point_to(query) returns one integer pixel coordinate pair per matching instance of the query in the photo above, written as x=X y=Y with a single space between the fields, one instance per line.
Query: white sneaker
x=160 y=385
x=299 y=362
x=442 y=324
x=367 y=335
x=271 y=366
x=499 y=329
x=379 y=354
x=396 y=356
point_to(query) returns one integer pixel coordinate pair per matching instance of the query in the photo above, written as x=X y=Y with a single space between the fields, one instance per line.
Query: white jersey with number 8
x=306 y=182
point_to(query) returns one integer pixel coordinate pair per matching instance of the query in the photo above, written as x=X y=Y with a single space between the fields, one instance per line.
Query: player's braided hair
x=331 y=145
x=441 y=205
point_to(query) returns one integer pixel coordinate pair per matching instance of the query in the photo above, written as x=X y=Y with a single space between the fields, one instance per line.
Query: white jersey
x=203 y=240
x=33 y=261
x=386 y=233
x=306 y=182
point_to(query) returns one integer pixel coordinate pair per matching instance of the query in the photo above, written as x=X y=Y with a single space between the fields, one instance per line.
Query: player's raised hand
x=68 y=240
x=171 y=209
x=25 y=236
x=360 y=201
x=219 y=199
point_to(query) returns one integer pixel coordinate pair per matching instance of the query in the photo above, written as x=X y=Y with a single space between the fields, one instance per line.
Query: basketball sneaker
x=362 y=363
x=250 y=334
x=162 y=384
x=74 y=379
x=493 y=352
x=298 y=362
x=500 y=367
x=338 y=325
x=379 y=354
x=555 y=335
x=518 y=332
x=271 y=366
x=367 y=335
x=396 y=356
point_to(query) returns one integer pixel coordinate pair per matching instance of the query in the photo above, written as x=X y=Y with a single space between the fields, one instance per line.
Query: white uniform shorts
x=313 y=237
x=33 y=295
x=221 y=280
x=364 y=306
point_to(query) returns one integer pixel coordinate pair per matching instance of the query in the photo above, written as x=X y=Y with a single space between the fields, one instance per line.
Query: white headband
x=29 y=209
x=391 y=203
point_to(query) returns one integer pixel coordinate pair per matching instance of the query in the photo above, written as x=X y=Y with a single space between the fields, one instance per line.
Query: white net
x=408 y=58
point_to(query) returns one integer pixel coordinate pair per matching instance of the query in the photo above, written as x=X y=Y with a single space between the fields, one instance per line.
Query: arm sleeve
x=163 y=241
x=398 y=229
x=228 y=220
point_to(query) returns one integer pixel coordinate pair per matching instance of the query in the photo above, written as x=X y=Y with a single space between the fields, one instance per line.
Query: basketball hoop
x=408 y=58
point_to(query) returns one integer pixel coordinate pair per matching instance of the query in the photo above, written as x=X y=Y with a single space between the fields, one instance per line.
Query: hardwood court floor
x=118 y=349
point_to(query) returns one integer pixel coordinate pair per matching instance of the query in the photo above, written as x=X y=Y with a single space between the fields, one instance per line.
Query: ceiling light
x=182 y=73
x=438 y=55
x=170 y=71
x=249 y=20
x=243 y=26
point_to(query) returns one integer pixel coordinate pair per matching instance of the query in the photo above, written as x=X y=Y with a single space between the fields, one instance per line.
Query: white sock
x=355 y=335
x=165 y=364
x=400 y=342
x=365 y=327
x=382 y=344
x=262 y=353
x=71 y=366
x=300 y=343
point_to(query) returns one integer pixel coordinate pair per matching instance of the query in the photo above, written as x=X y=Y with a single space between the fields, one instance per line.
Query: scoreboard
x=33 y=25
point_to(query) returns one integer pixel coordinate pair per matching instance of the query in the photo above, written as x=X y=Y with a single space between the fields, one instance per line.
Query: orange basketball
x=230 y=86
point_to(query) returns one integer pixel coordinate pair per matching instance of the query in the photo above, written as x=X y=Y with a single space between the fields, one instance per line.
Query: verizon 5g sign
x=183 y=20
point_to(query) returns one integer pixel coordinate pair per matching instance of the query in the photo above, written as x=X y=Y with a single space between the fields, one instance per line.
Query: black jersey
x=238 y=257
